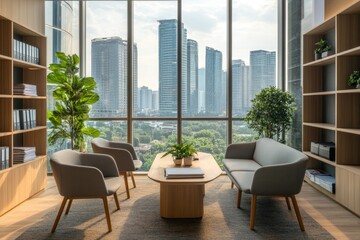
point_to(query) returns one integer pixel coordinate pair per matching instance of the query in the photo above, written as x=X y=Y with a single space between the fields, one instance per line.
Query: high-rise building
x=109 y=69
x=213 y=81
x=263 y=70
x=192 y=77
x=201 y=91
x=155 y=101
x=240 y=83
x=168 y=68
x=145 y=99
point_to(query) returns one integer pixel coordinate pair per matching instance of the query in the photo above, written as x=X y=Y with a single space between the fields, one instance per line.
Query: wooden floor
x=338 y=221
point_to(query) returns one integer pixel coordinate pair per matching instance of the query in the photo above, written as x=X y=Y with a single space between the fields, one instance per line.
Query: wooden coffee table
x=183 y=198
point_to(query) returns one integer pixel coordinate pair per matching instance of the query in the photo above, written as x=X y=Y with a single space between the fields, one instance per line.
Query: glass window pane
x=207 y=136
x=241 y=133
x=254 y=50
x=204 y=63
x=155 y=71
x=151 y=138
x=106 y=48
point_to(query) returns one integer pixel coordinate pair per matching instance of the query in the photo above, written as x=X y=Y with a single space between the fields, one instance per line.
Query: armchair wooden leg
x=288 y=203
x=296 y=207
x=133 y=179
x=252 y=213
x=116 y=201
x=106 y=208
x=59 y=214
x=126 y=185
x=68 y=206
x=239 y=198
x=232 y=185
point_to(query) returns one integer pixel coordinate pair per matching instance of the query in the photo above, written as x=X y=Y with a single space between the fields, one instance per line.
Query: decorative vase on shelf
x=177 y=161
x=317 y=56
x=188 y=161
x=326 y=54
x=358 y=86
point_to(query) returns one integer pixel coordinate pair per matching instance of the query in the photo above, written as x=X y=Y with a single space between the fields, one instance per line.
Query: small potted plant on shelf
x=180 y=151
x=323 y=49
x=354 y=79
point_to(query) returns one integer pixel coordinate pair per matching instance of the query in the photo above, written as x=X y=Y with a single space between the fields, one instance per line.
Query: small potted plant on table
x=180 y=151
x=354 y=79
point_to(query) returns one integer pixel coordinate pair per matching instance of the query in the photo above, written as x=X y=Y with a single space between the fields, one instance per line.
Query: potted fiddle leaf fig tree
x=74 y=96
x=271 y=113
x=354 y=79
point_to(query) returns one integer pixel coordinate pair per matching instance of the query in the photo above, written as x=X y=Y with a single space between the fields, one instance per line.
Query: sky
x=254 y=28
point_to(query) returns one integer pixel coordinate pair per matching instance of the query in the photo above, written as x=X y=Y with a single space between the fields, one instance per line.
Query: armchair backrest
x=270 y=152
x=60 y=159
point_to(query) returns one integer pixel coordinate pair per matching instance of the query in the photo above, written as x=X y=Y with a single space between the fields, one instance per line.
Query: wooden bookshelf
x=18 y=182
x=331 y=110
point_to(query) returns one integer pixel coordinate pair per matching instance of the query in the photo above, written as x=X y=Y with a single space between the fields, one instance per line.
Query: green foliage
x=271 y=113
x=181 y=150
x=73 y=96
x=322 y=46
x=354 y=79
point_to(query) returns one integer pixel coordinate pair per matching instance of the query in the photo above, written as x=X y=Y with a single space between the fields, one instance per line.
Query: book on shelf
x=195 y=172
x=312 y=173
x=4 y=157
x=24 y=119
x=26 y=52
x=25 y=89
x=326 y=182
x=24 y=154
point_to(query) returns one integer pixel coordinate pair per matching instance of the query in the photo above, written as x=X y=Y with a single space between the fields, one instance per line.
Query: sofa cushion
x=243 y=180
x=270 y=152
x=240 y=165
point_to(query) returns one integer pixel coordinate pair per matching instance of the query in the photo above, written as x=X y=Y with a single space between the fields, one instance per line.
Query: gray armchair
x=266 y=168
x=80 y=175
x=124 y=155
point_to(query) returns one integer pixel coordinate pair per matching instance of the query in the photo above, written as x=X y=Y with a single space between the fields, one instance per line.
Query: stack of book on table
x=25 y=89
x=184 y=173
x=24 y=154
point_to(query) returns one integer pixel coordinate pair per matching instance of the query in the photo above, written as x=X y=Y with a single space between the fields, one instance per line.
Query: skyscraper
x=192 y=76
x=240 y=83
x=201 y=91
x=109 y=68
x=168 y=68
x=213 y=81
x=145 y=98
x=263 y=67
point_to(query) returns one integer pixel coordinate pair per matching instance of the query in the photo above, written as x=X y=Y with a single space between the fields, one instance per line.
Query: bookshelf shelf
x=31 y=174
x=331 y=110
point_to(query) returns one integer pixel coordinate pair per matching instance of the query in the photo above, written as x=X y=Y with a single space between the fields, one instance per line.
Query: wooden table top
x=206 y=162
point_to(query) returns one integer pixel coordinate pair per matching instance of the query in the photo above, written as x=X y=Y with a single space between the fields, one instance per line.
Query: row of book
x=24 y=154
x=26 y=52
x=24 y=119
x=4 y=157
x=322 y=179
x=25 y=89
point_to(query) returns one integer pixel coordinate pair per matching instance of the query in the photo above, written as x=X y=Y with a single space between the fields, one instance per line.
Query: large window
x=175 y=84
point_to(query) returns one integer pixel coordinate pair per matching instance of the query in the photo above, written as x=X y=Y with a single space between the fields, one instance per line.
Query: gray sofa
x=266 y=168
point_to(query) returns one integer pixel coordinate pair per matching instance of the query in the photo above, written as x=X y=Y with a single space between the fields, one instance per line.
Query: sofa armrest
x=282 y=179
x=240 y=150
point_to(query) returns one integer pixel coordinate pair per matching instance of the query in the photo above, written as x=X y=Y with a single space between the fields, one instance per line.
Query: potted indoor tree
x=73 y=95
x=323 y=49
x=354 y=79
x=180 y=151
x=271 y=113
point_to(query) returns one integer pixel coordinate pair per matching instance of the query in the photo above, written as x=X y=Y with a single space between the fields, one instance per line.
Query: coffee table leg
x=181 y=201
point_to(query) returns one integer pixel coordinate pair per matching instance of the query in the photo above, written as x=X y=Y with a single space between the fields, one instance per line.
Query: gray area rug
x=139 y=218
